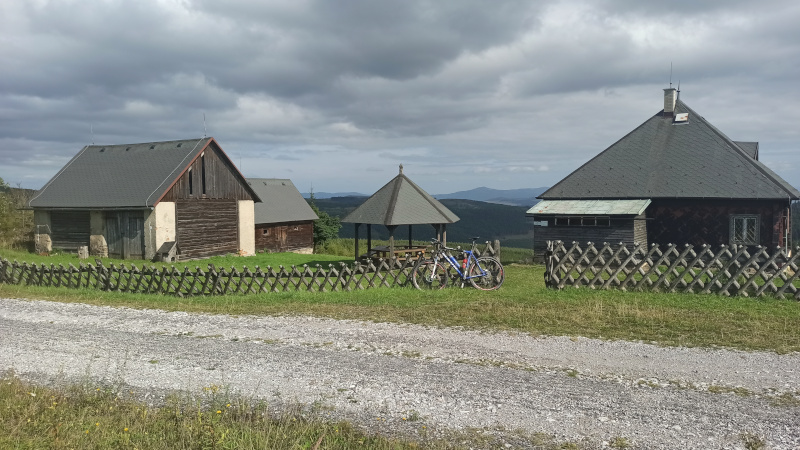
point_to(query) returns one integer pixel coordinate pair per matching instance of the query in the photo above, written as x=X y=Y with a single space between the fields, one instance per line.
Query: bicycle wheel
x=429 y=275
x=493 y=277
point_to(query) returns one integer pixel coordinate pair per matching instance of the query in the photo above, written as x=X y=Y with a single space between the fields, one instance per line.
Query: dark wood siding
x=285 y=237
x=69 y=229
x=206 y=227
x=621 y=230
x=125 y=234
x=212 y=172
x=699 y=222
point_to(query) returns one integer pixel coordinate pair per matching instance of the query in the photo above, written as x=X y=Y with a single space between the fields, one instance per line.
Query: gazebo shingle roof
x=401 y=202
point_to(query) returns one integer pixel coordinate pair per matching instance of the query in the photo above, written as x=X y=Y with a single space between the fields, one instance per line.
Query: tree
x=8 y=215
x=326 y=227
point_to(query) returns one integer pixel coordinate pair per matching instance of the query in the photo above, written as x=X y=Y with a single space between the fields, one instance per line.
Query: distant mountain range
x=323 y=195
x=488 y=220
x=513 y=197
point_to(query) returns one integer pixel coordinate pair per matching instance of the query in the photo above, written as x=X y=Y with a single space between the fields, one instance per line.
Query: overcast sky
x=335 y=94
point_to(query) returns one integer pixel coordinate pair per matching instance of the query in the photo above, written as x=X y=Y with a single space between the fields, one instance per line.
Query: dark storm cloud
x=497 y=90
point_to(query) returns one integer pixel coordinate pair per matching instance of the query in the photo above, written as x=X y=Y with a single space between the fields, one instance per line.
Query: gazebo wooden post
x=356 y=233
x=444 y=234
x=369 y=238
x=410 y=239
x=391 y=244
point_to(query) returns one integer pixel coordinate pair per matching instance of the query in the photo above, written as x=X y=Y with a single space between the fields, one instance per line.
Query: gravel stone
x=409 y=380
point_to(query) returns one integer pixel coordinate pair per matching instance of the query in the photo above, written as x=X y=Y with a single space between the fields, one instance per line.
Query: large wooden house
x=674 y=179
x=284 y=222
x=136 y=200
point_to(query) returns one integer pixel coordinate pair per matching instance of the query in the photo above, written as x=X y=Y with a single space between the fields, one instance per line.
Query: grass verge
x=522 y=304
x=84 y=417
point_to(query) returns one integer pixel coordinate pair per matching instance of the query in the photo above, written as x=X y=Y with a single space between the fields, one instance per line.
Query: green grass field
x=522 y=304
x=86 y=418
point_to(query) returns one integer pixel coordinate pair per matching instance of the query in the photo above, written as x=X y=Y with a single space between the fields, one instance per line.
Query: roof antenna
x=205 y=133
x=679 y=89
x=670 y=74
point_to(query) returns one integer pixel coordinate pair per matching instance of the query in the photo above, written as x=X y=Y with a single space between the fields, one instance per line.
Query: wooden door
x=113 y=236
x=69 y=229
x=134 y=241
x=281 y=238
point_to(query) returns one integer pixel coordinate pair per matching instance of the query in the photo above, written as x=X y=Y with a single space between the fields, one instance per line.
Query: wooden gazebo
x=400 y=202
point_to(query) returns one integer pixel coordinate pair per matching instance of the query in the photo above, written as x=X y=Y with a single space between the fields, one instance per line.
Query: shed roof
x=280 y=201
x=590 y=207
x=123 y=176
x=401 y=202
x=664 y=158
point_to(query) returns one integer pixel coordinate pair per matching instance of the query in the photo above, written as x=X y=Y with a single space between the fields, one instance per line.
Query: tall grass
x=99 y=418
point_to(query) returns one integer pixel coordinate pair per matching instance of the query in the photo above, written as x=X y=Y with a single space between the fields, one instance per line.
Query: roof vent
x=127 y=149
x=179 y=144
x=102 y=149
x=152 y=146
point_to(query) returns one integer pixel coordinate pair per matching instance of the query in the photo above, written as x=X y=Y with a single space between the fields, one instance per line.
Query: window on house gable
x=744 y=229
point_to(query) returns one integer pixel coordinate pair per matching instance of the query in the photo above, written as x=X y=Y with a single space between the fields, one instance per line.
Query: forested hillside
x=489 y=221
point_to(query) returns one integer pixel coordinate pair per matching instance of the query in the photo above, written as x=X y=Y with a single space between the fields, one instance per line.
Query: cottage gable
x=132 y=175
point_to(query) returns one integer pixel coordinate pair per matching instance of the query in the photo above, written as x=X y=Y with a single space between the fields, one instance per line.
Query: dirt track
x=375 y=374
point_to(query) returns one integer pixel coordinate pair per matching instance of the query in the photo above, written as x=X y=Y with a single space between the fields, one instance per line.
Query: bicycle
x=485 y=273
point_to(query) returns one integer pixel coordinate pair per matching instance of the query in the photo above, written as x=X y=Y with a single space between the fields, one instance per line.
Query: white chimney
x=670 y=97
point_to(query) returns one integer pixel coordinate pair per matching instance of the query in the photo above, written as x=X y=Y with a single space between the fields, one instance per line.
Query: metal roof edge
x=183 y=167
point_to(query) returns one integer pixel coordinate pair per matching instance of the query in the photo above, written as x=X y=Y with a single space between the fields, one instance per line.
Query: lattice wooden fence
x=729 y=271
x=213 y=280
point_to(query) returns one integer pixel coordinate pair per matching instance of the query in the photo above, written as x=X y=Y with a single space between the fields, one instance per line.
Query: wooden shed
x=127 y=201
x=675 y=179
x=284 y=222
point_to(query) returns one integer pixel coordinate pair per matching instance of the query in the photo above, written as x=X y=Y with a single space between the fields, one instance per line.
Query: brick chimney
x=670 y=97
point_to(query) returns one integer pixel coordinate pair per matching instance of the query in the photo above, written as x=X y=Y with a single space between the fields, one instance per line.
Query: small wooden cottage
x=136 y=200
x=674 y=179
x=284 y=222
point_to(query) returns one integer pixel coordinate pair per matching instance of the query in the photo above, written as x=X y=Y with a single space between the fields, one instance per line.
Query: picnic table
x=400 y=252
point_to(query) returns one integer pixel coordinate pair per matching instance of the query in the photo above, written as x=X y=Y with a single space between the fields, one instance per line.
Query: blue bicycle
x=484 y=273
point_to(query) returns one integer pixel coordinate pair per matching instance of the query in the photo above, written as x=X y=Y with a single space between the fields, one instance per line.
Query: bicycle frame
x=466 y=263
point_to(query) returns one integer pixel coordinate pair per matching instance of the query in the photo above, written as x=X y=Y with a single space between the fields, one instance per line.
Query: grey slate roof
x=592 y=207
x=120 y=176
x=401 y=202
x=662 y=159
x=280 y=202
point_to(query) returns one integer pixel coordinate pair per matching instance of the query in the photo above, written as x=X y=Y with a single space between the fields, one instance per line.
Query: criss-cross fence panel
x=213 y=281
x=216 y=281
x=730 y=271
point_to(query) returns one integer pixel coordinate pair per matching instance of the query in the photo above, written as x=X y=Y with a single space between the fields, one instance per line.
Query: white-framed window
x=745 y=229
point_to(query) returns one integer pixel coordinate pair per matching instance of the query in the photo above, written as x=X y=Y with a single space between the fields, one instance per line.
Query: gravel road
x=376 y=374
